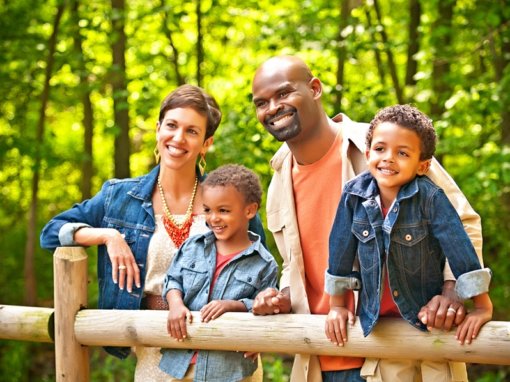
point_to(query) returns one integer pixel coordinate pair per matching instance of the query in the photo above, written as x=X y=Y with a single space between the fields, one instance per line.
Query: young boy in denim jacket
x=217 y=272
x=402 y=229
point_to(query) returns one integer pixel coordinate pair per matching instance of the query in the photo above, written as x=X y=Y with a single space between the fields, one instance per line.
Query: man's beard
x=288 y=132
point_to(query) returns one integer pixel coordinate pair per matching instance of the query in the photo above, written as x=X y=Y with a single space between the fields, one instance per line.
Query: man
x=319 y=155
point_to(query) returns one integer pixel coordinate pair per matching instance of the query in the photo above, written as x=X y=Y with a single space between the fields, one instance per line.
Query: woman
x=138 y=223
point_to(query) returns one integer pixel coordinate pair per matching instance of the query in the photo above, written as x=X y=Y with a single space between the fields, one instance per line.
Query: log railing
x=77 y=328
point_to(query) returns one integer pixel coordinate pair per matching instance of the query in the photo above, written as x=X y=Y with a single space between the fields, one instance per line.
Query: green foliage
x=276 y=368
x=237 y=37
x=14 y=357
x=26 y=362
x=105 y=368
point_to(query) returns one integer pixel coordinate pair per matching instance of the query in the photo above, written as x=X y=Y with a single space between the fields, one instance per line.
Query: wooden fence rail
x=74 y=328
x=25 y=323
x=286 y=333
x=291 y=333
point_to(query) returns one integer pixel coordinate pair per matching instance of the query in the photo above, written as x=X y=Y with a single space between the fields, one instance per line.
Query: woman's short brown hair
x=196 y=98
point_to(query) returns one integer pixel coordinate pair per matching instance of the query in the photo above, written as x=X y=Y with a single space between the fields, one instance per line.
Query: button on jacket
x=420 y=231
x=125 y=205
x=192 y=272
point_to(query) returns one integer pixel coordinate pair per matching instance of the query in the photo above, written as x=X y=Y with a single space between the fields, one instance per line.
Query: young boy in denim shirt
x=402 y=228
x=217 y=272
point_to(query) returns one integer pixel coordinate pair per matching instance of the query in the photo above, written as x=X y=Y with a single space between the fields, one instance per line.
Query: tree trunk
x=88 y=118
x=505 y=83
x=441 y=43
x=377 y=52
x=414 y=41
x=175 y=53
x=341 y=53
x=389 y=54
x=119 y=90
x=200 y=42
x=504 y=95
x=30 y=297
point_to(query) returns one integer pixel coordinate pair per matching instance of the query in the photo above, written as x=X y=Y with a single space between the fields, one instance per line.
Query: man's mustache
x=270 y=118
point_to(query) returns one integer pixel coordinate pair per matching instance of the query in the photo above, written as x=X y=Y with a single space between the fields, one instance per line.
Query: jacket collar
x=145 y=185
x=347 y=134
x=365 y=187
x=256 y=246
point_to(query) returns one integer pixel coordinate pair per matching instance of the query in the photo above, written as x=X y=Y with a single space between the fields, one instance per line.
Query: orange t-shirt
x=317 y=192
x=388 y=306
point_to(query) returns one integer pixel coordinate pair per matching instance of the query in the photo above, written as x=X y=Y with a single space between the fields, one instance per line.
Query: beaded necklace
x=177 y=232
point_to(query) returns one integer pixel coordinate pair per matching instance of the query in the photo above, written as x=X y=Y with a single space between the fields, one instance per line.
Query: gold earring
x=202 y=164
x=156 y=154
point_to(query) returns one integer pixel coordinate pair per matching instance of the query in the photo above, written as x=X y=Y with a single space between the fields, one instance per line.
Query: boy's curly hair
x=243 y=179
x=410 y=118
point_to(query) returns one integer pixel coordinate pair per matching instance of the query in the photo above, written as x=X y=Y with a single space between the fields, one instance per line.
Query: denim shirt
x=125 y=205
x=192 y=272
x=419 y=231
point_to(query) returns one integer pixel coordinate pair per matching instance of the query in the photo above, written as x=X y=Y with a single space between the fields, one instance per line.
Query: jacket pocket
x=368 y=253
x=410 y=247
x=409 y=236
x=275 y=221
x=245 y=285
x=194 y=278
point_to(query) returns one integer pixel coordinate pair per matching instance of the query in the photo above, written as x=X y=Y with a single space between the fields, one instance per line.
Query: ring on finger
x=450 y=309
x=122 y=267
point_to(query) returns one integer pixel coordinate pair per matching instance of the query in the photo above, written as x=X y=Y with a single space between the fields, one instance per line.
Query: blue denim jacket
x=420 y=230
x=126 y=205
x=191 y=272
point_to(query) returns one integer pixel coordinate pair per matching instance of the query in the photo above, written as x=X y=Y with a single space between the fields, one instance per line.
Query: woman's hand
x=125 y=271
x=124 y=268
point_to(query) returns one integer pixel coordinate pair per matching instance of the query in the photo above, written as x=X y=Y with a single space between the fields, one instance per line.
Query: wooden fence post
x=70 y=291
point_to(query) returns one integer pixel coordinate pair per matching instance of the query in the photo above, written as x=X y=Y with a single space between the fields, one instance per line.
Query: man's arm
x=470 y=219
x=445 y=310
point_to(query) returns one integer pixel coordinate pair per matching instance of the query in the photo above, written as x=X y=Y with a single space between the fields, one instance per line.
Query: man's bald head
x=285 y=64
x=287 y=98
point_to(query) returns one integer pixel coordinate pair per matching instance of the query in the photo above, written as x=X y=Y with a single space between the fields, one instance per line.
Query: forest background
x=81 y=83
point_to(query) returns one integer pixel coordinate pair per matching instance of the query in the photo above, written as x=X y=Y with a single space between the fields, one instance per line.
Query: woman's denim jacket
x=419 y=231
x=192 y=272
x=126 y=205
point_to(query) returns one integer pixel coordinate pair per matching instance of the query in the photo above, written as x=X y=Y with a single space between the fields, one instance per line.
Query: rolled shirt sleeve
x=66 y=233
x=338 y=285
x=473 y=283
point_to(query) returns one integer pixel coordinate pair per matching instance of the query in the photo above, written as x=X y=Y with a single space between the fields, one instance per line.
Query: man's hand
x=271 y=301
x=443 y=311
